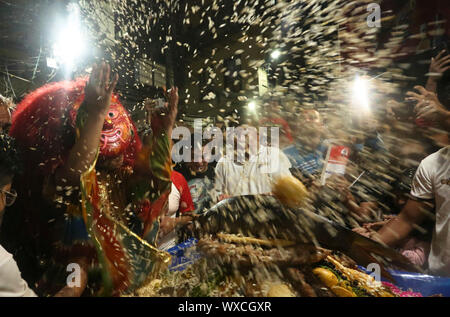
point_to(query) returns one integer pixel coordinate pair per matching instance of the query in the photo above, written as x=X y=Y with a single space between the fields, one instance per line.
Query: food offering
x=349 y=282
x=238 y=266
x=301 y=269
x=264 y=246
x=261 y=246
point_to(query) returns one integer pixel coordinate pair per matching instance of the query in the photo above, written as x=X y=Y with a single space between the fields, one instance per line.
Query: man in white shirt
x=431 y=182
x=11 y=282
x=253 y=175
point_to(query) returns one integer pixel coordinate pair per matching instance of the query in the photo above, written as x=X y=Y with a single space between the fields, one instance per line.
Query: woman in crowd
x=179 y=212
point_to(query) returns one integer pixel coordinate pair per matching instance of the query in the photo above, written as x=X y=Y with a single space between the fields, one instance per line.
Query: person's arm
x=149 y=186
x=363 y=212
x=439 y=65
x=414 y=211
x=155 y=158
x=162 y=119
x=400 y=227
x=90 y=119
x=169 y=224
x=429 y=107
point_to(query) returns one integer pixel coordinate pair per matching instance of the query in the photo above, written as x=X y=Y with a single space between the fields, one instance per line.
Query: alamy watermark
x=74 y=278
x=375 y=271
x=374 y=18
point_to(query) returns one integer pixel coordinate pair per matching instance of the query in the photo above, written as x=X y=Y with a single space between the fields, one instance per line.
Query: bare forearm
x=170 y=224
x=394 y=231
x=90 y=119
x=167 y=225
x=431 y=84
x=155 y=161
x=83 y=153
x=400 y=227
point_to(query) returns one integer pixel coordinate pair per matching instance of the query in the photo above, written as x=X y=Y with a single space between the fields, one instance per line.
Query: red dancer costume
x=110 y=220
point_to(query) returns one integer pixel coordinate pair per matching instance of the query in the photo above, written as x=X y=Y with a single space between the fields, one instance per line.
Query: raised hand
x=163 y=118
x=439 y=65
x=172 y=108
x=99 y=89
x=149 y=105
x=96 y=104
x=428 y=106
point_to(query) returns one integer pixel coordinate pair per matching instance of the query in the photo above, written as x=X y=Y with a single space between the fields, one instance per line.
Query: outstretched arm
x=90 y=119
x=151 y=182
x=400 y=227
x=155 y=158
x=439 y=65
x=429 y=107
x=163 y=119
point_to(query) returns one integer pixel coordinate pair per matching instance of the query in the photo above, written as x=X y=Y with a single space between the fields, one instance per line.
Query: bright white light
x=70 y=44
x=52 y=63
x=251 y=106
x=361 y=94
x=275 y=54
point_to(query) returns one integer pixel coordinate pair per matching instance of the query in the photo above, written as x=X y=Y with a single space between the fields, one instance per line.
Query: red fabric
x=44 y=125
x=149 y=211
x=181 y=184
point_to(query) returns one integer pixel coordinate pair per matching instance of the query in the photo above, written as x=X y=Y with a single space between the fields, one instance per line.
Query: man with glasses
x=11 y=282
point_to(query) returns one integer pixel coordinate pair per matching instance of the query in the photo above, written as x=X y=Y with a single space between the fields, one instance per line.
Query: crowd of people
x=93 y=191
